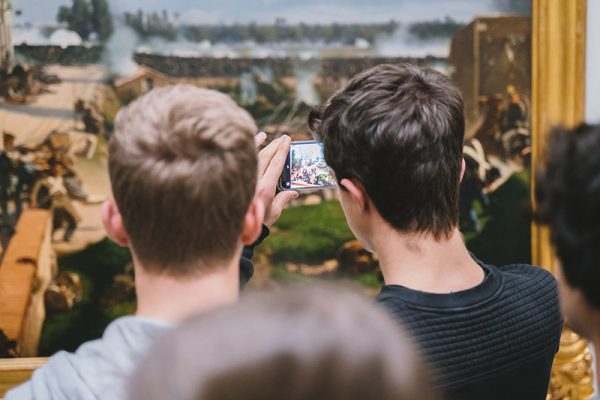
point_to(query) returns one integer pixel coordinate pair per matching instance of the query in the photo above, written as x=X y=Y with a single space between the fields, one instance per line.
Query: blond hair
x=183 y=169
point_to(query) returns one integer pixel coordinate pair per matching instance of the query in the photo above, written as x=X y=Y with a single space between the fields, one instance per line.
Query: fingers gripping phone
x=305 y=168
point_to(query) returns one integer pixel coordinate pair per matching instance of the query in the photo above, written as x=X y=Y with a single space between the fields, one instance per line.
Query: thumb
x=283 y=198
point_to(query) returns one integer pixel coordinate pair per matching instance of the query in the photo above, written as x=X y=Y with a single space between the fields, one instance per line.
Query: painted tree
x=101 y=19
x=79 y=20
x=64 y=14
x=85 y=18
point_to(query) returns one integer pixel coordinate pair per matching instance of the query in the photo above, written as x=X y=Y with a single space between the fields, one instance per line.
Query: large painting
x=67 y=67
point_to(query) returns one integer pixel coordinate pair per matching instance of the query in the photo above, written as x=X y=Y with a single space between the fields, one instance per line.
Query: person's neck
x=172 y=299
x=420 y=262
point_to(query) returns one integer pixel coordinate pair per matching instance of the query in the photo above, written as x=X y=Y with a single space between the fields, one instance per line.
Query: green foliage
x=101 y=19
x=506 y=237
x=435 y=29
x=96 y=265
x=273 y=96
x=110 y=107
x=308 y=234
x=370 y=280
x=265 y=33
x=79 y=18
x=64 y=14
x=161 y=25
x=281 y=275
x=84 y=18
x=120 y=310
x=151 y=24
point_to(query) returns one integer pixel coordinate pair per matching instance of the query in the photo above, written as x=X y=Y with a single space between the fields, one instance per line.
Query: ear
x=463 y=167
x=357 y=192
x=253 y=221
x=113 y=223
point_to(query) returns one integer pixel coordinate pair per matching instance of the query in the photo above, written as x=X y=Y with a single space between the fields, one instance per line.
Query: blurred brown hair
x=183 y=169
x=310 y=343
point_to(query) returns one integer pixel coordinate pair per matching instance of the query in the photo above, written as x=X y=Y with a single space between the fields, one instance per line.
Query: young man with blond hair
x=189 y=193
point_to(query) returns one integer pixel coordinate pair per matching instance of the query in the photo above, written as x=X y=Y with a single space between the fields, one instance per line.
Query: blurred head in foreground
x=298 y=344
x=568 y=197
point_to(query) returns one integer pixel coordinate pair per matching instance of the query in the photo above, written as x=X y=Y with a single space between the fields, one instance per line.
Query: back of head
x=398 y=129
x=183 y=169
x=568 y=198
x=300 y=344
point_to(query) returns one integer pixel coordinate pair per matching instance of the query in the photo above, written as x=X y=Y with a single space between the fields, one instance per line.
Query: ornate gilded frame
x=558 y=98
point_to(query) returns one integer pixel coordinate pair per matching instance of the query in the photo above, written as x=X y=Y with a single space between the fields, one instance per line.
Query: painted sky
x=310 y=11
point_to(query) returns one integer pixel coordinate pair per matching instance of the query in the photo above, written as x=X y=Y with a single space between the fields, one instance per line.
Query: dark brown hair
x=183 y=169
x=399 y=129
x=317 y=344
x=567 y=191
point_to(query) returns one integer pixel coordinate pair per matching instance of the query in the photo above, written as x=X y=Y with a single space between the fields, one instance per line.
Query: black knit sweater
x=496 y=340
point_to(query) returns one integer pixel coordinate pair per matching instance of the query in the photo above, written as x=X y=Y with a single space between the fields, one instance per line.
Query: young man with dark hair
x=393 y=136
x=568 y=197
x=189 y=192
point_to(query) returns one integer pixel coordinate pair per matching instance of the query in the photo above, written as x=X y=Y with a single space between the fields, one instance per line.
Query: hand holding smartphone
x=305 y=168
x=271 y=161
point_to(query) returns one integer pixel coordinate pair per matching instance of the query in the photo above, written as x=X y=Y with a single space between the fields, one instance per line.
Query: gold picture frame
x=558 y=98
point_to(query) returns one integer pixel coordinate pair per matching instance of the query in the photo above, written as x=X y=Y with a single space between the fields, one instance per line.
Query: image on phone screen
x=307 y=167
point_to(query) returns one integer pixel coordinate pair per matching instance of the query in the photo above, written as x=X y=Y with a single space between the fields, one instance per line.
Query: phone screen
x=306 y=167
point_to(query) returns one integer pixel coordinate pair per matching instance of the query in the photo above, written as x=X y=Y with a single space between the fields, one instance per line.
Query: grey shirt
x=98 y=369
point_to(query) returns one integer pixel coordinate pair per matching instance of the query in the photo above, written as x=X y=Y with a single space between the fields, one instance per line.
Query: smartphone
x=305 y=168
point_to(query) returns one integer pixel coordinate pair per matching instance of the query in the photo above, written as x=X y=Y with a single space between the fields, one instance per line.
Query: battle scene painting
x=66 y=67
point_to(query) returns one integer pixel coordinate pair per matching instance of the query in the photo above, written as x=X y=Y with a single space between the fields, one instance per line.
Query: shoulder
x=123 y=341
x=526 y=270
x=522 y=276
x=96 y=366
x=58 y=378
x=531 y=292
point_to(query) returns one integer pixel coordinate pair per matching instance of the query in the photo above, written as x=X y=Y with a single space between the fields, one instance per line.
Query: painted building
x=140 y=83
x=488 y=56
